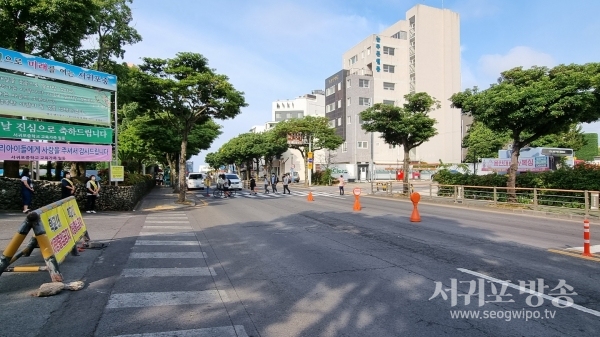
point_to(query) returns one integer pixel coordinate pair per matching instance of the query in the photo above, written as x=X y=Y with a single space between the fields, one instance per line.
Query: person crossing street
x=274 y=181
x=286 y=182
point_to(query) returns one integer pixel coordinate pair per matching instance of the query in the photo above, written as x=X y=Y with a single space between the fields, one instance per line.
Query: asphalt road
x=283 y=266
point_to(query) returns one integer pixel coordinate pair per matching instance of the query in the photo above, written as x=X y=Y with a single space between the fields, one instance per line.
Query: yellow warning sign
x=57 y=230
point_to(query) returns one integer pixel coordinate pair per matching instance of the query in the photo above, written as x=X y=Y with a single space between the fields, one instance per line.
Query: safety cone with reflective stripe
x=310 y=196
x=586 y=238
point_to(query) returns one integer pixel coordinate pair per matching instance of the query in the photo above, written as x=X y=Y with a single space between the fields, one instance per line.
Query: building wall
x=335 y=98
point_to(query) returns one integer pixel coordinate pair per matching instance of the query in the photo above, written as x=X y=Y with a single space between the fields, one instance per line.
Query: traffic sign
x=356 y=191
x=310 y=155
x=310 y=166
x=310 y=160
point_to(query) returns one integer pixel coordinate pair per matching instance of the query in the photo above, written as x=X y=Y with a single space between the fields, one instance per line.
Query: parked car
x=195 y=180
x=236 y=182
x=295 y=177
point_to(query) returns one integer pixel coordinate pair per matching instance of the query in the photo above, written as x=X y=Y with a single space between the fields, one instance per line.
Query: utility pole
x=310 y=164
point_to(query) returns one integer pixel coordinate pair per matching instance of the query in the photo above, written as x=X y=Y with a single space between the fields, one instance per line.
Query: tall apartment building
x=419 y=54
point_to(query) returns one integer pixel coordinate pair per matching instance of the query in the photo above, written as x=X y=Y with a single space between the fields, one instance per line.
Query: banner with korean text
x=35 y=98
x=534 y=164
x=64 y=227
x=35 y=130
x=15 y=150
x=10 y=59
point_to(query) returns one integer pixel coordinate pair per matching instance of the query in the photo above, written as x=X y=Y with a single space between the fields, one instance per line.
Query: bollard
x=356 y=193
x=309 y=197
x=415 y=216
x=586 y=238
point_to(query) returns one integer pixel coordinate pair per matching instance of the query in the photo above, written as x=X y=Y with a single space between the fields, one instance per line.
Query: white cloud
x=526 y=57
x=468 y=79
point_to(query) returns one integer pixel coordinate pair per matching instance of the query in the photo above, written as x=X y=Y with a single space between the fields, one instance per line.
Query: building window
x=388 y=68
x=339 y=86
x=289 y=115
x=362 y=55
x=277 y=115
x=345 y=147
x=364 y=101
x=362 y=145
x=332 y=123
x=388 y=102
x=401 y=35
x=369 y=51
x=330 y=107
x=348 y=118
x=348 y=101
x=392 y=146
x=360 y=121
x=388 y=51
x=300 y=114
x=388 y=86
x=353 y=59
x=340 y=121
x=330 y=90
x=348 y=82
x=363 y=83
x=339 y=103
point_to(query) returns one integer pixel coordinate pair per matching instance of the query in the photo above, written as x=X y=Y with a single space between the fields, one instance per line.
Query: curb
x=595 y=257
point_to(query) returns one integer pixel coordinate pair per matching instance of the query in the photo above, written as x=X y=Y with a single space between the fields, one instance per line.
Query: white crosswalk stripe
x=155 y=299
x=223 y=331
x=245 y=194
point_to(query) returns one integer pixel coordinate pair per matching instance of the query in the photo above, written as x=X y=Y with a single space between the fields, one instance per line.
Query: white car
x=195 y=181
x=236 y=182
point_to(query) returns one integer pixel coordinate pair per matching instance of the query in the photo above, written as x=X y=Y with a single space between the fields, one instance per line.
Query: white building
x=312 y=104
x=419 y=54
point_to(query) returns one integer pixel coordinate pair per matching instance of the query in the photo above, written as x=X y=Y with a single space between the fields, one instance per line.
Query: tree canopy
x=186 y=92
x=408 y=126
x=532 y=103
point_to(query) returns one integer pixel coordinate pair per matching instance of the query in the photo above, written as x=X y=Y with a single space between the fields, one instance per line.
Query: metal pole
x=313 y=160
x=116 y=137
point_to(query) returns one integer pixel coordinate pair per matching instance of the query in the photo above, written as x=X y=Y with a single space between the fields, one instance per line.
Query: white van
x=195 y=180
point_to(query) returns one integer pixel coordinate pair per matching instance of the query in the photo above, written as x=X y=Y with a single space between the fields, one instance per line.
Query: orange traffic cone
x=310 y=196
x=415 y=216
x=357 y=206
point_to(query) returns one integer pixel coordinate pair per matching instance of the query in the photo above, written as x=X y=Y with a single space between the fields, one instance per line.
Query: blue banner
x=34 y=65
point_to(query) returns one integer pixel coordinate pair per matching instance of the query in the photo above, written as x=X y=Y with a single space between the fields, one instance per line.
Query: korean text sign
x=35 y=98
x=64 y=227
x=12 y=60
x=29 y=129
x=34 y=151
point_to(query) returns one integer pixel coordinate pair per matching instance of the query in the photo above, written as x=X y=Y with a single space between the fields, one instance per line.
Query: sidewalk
x=162 y=198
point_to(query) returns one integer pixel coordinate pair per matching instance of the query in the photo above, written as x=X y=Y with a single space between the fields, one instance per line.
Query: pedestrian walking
x=341 y=183
x=252 y=185
x=93 y=190
x=286 y=183
x=26 y=190
x=266 y=182
x=274 y=181
x=67 y=187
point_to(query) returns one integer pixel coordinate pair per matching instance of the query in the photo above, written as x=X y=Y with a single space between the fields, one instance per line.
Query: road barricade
x=57 y=228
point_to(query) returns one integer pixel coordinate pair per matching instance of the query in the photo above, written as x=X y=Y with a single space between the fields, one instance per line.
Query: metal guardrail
x=581 y=202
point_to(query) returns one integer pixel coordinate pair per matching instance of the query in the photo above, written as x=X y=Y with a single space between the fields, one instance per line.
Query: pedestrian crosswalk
x=271 y=195
x=167 y=247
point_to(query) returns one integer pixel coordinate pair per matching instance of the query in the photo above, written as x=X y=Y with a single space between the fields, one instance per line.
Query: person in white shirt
x=286 y=182
x=341 y=184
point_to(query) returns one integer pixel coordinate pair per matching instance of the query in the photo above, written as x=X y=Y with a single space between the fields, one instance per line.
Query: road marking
x=529 y=291
x=573 y=254
x=222 y=331
x=169 y=221
x=182 y=255
x=593 y=249
x=163 y=272
x=174 y=233
x=157 y=299
x=167 y=218
x=167 y=227
x=166 y=243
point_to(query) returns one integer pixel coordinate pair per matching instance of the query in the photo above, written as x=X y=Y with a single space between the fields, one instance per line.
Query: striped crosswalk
x=271 y=195
x=167 y=247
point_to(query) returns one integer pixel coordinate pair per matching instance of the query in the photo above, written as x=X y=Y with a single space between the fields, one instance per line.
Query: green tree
x=532 y=103
x=573 y=138
x=214 y=160
x=590 y=149
x=408 y=126
x=481 y=142
x=189 y=93
x=314 y=130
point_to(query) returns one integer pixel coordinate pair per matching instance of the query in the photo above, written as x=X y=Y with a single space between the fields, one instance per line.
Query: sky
x=282 y=49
